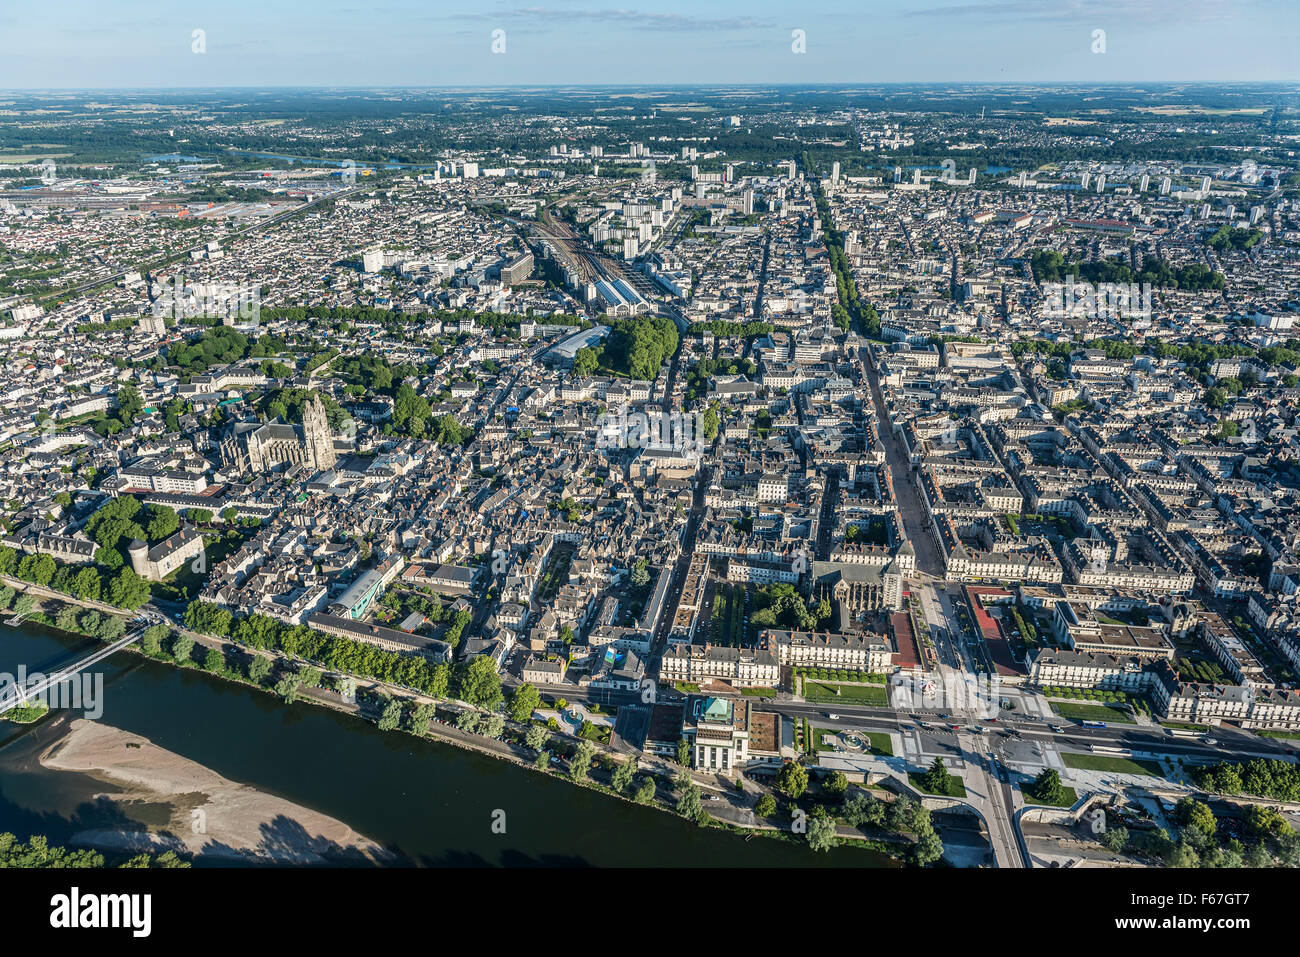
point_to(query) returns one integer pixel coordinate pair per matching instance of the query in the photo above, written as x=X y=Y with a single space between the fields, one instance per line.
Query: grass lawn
x=850 y=694
x=1068 y=796
x=1091 y=712
x=26 y=715
x=1184 y=727
x=1295 y=735
x=686 y=687
x=955 y=787
x=1111 y=762
x=880 y=743
x=758 y=692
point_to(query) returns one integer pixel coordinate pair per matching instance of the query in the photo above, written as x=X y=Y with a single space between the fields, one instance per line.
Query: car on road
x=833 y=717
x=1056 y=727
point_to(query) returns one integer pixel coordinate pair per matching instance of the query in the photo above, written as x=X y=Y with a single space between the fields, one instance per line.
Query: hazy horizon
x=142 y=44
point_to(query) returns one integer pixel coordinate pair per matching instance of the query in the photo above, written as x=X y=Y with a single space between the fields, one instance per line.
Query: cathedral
x=265 y=447
x=862 y=588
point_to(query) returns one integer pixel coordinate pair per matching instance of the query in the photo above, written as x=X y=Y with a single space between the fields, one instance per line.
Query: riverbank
x=183 y=806
x=432 y=804
x=233 y=667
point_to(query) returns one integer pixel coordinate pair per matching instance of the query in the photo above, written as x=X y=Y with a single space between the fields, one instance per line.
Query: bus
x=1093 y=724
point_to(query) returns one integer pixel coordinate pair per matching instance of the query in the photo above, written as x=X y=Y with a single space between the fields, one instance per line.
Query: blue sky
x=348 y=43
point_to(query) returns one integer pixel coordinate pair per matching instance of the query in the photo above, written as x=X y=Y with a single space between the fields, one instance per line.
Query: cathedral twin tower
x=262 y=448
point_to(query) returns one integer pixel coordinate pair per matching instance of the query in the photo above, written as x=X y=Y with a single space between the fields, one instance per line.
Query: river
x=431 y=803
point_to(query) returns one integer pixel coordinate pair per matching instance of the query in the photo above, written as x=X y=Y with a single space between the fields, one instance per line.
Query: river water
x=431 y=803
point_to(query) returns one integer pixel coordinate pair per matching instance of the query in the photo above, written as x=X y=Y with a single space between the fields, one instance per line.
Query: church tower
x=316 y=435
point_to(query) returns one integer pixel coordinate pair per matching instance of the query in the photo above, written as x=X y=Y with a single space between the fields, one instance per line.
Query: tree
x=623 y=774
x=208 y=619
x=346 y=688
x=1182 y=854
x=66 y=619
x=689 y=804
x=585 y=362
x=421 y=715
x=309 y=676
x=214 y=660
x=1259 y=856
x=1197 y=815
x=645 y=790
x=536 y=736
x=935 y=780
x=494 y=725
x=1116 y=839
x=479 y=683
x=152 y=639
x=792 y=779
x=162 y=522
x=111 y=628
x=468 y=721
x=287 y=688
x=928 y=848
x=580 y=763
x=834 y=785
x=543 y=761
x=524 y=700
x=128 y=590
x=181 y=648
x=861 y=809
x=709 y=424
x=86 y=584
x=821 y=831
x=898 y=815
x=640 y=574
x=25 y=605
x=7 y=593
x=684 y=752
x=259 y=669
x=1047 y=787
x=1263 y=820
x=391 y=718
x=766 y=806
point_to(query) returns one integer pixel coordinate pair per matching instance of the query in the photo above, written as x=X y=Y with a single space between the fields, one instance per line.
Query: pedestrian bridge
x=15 y=696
